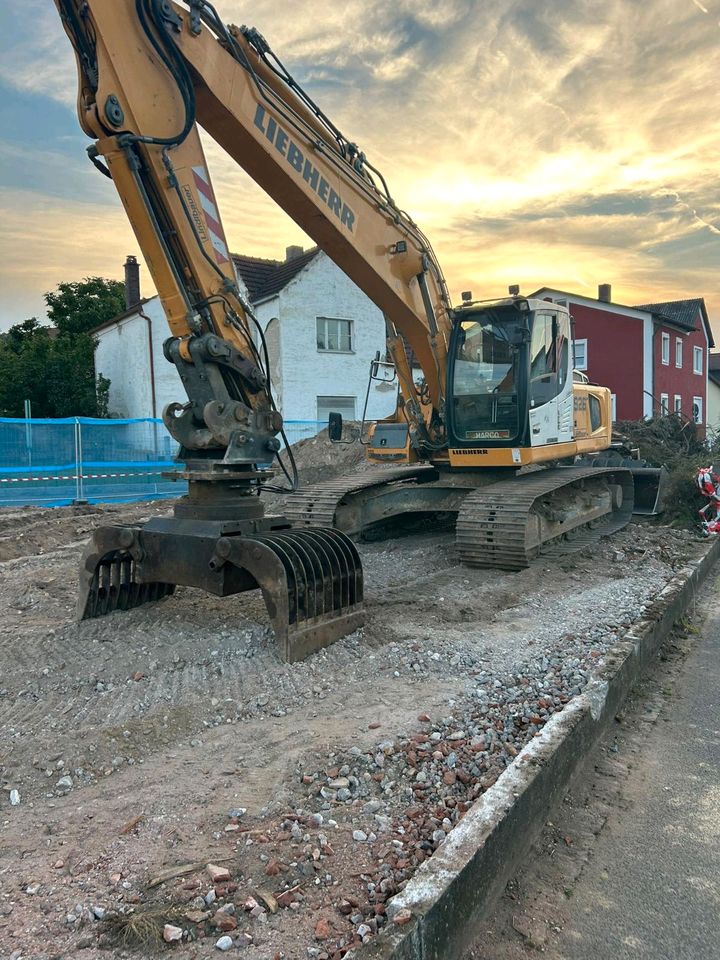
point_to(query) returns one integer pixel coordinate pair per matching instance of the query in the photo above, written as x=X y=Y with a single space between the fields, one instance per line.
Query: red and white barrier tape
x=84 y=476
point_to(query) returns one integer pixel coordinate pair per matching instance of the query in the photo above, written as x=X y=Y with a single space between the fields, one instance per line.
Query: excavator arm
x=150 y=71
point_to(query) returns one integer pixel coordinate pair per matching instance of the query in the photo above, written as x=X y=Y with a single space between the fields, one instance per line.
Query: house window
x=697 y=409
x=328 y=405
x=697 y=359
x=678 y=352
x=334 y=335
x=677 y=403
x=666 y=349
x=613 y=407
x=664 y=406
x=580 y=352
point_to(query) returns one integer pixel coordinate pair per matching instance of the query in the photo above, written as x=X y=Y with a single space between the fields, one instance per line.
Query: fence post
x=28 y=431
x=79 y=492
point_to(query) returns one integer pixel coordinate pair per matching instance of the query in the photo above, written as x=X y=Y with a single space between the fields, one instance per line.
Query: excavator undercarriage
x=501 y=522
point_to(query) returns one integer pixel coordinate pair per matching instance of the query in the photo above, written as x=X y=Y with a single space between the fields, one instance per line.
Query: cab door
x=550 y=402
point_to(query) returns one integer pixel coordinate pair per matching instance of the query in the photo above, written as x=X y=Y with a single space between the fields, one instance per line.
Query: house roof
x=602 y=304
x=683 y=313
x=679 y=313
x=122 y=316
x=263 y=278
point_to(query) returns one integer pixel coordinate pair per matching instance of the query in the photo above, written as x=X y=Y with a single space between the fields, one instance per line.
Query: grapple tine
x=109 y=576
x=325 y=596
x=305 y=577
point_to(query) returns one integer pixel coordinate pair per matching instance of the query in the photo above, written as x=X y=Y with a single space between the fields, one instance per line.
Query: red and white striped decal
x=212 y=217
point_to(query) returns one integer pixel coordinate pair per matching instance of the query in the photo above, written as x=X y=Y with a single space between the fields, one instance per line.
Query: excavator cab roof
x=523 y=304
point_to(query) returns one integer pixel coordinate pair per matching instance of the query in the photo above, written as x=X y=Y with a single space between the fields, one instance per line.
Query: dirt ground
x=172 y=736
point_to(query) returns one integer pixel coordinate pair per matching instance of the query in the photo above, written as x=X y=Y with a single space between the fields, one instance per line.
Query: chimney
x=292 y=253
x=605 y=292
x=132 y=282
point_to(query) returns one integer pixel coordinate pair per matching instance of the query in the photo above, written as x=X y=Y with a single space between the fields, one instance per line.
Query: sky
x=560 y=143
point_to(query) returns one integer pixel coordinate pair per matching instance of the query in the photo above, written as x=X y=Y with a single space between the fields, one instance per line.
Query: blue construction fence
x=53 y=463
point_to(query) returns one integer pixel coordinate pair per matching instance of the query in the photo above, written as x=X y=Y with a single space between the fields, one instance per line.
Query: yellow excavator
x=497 y=393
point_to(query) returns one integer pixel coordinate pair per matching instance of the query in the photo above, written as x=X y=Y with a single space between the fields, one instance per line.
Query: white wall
x=123 y=356
x=322 y=289
x=713 y=405
x=301 y=372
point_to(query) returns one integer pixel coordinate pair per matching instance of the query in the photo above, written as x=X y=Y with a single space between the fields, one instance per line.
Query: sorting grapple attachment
x=311 y=579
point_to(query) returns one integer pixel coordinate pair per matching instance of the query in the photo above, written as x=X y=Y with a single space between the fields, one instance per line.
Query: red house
x=653 y=357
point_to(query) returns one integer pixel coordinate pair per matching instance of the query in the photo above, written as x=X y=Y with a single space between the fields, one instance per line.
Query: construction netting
x=54 y=463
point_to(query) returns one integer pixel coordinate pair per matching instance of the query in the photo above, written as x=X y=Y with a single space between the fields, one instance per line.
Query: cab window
x=549 y=358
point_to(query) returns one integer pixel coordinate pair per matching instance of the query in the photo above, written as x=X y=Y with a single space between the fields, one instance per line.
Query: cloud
x=46 y=241
x=532 y=142
x=35 y=55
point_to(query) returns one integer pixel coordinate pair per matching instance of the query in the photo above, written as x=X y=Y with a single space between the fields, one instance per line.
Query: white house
x=321 y=331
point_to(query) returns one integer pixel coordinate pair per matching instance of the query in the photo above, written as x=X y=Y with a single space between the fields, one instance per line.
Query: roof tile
x=263 y=278
x=684 y=313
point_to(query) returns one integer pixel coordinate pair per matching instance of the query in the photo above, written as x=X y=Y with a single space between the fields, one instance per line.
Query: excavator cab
x=510 y=379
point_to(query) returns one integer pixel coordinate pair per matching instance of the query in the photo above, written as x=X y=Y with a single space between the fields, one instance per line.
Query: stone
x=534 y=931
x=224 y=943
x=197 y=916
x=402 y=917
x=172 y=934
x=65 y=783
x=218 y=874
x=224 y=921
x=360 y=836
x=14 y=798
x=322 y=929
x=339 y=783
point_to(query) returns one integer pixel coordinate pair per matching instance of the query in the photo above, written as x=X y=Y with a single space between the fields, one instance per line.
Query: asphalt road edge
x=467 y=873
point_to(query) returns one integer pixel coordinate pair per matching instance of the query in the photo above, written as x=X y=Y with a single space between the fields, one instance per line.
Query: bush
x=672 y=442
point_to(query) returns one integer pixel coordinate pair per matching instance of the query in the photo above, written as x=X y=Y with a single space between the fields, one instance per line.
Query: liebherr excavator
x=497 y=393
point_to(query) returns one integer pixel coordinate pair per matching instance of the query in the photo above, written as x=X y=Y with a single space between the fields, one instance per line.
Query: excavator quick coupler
x=311 y=579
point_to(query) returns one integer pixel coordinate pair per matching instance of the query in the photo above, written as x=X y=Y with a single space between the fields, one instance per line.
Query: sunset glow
x=534 y=142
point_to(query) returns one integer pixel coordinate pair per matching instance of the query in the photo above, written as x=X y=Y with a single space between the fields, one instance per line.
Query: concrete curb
x=470 y=869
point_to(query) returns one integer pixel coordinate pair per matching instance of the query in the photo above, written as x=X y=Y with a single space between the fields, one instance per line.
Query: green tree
x=76 y=308
x=55 y=369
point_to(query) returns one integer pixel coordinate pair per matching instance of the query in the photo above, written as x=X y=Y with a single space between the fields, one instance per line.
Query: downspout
x=151 y=357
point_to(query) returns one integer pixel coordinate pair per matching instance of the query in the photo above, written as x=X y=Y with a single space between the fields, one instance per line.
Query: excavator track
x=316 y=505
x=495 y=526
